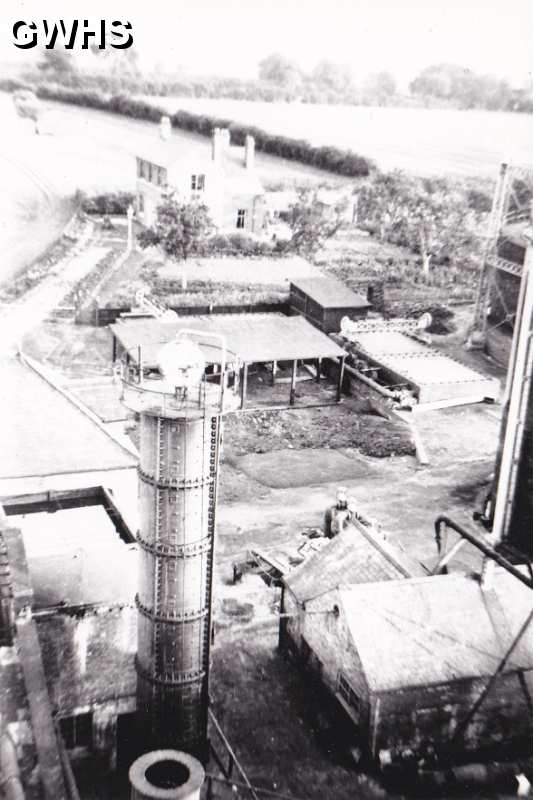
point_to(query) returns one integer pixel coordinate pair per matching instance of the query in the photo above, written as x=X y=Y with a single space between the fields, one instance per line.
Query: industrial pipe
x=166 y=775
x=490 y=552
x=373 y=384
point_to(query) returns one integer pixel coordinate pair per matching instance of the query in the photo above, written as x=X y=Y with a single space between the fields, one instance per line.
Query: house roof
x=165 y=152
x=42 y=433
x=415 y=632
x=255 y=338
x=330 y=293
x=354 y=556
x=231 y=169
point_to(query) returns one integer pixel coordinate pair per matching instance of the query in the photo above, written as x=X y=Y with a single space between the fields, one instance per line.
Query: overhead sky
x=230 y=36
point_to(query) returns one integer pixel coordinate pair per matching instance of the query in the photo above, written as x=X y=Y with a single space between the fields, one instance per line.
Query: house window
x=161 y=176
x=139 y=167
x=241 y=217
x=347 y=693
x=77 y=731
x=197 y=183
x=140 y=203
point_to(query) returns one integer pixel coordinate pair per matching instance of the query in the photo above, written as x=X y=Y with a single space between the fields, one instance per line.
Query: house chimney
x=220 y=143
x=165 y=128
x=249 y=152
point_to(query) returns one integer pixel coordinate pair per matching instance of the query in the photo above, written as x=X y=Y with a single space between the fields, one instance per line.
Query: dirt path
x=18 y=318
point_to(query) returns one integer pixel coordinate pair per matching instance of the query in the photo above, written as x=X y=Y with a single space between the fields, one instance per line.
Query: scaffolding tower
x=510 y=206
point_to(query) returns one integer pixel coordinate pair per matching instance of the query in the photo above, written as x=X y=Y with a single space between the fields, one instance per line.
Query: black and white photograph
x=266 y=400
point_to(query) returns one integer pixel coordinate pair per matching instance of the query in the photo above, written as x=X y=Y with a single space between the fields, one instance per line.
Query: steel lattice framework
x=493 y=264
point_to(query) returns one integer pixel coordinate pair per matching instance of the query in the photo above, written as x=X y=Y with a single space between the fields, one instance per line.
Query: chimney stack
x=220 y=144
x=165 y=129
x=249 y=152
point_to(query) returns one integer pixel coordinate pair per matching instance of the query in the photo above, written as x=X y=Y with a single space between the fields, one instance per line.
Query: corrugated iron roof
x=43 y=433
x=255 y=338
x=330 y=293
x=437 y=629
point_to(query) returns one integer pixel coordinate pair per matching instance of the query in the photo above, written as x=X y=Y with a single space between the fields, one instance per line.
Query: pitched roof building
x=232 y=192
x=397 y=663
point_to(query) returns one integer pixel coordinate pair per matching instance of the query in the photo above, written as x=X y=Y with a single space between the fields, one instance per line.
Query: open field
x=89 y=150
x=422 y=141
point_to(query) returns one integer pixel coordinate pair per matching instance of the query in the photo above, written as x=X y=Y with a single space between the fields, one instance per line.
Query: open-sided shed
x=253 y=338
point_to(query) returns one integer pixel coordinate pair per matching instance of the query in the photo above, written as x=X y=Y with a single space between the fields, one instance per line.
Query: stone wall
x=321 y=642
x=414 y=718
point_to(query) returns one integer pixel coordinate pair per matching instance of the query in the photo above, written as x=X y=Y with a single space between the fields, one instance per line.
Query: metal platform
x=405 y=361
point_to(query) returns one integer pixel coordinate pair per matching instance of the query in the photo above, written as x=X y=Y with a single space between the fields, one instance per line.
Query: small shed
x=404 y=661
x=325 y=301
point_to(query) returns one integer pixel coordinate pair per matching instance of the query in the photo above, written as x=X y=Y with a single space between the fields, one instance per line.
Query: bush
x=107 y=203
x=234 y=244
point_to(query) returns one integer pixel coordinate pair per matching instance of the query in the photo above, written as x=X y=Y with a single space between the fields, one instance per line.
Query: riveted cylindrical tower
x=180 y=409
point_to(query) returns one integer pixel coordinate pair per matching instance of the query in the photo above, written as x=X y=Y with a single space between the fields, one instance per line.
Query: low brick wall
x=106 y=316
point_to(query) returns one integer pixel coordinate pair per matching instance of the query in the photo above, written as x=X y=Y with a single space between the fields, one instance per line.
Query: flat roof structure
x=433 y=376
x=253 y=338
x=42 y=433
x=330 y=293
x=76 y=558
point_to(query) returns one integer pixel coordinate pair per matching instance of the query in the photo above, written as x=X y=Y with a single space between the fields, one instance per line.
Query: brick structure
x=401 y=669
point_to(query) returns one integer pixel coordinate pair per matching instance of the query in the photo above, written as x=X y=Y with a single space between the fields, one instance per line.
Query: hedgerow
x=332 y=159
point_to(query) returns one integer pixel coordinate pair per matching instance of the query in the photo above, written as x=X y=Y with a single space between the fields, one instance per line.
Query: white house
x=231 y=190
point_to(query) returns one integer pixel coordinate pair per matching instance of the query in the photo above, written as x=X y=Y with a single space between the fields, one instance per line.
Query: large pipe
x=486 y=549
x=166 y=775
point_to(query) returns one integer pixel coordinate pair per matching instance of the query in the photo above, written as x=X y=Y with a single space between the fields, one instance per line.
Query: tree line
x=280 y=79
